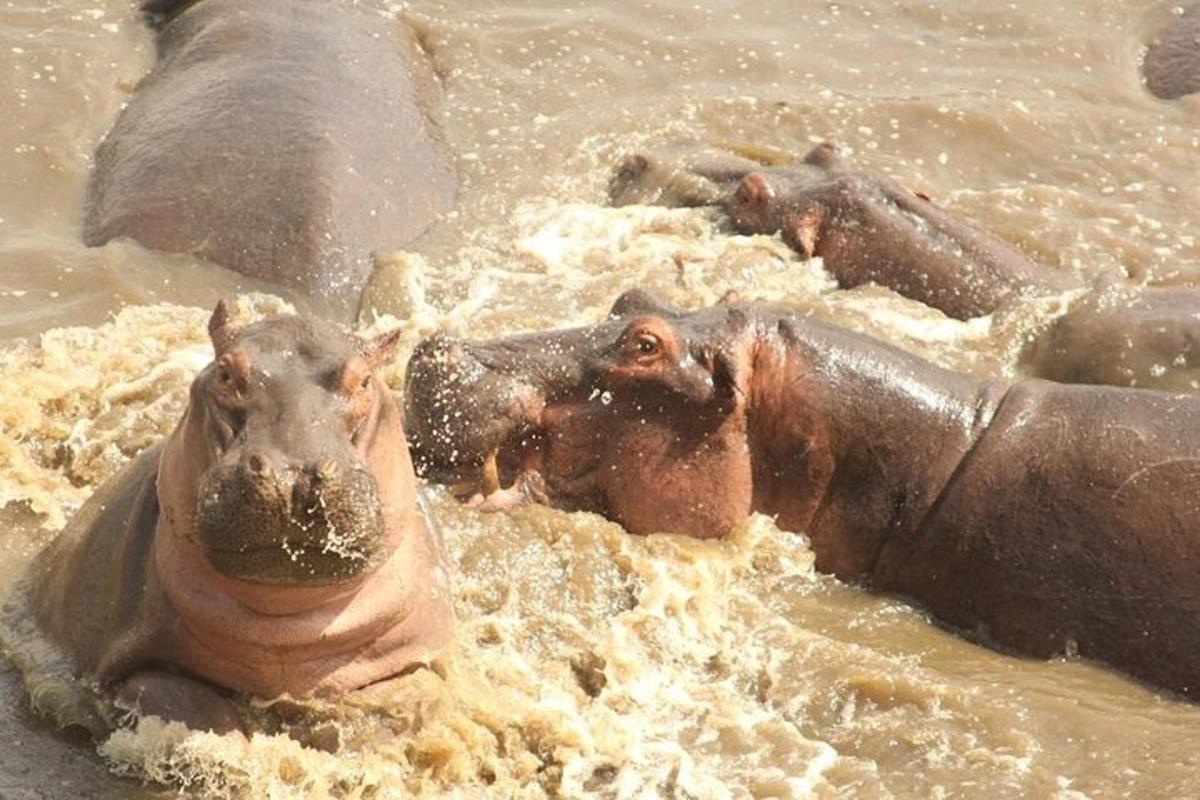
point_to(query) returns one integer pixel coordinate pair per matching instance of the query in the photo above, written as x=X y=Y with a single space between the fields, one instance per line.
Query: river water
x=589 y=661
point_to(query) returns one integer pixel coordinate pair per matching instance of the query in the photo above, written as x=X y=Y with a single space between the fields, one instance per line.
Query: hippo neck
x=853 y=440
x=274 y=640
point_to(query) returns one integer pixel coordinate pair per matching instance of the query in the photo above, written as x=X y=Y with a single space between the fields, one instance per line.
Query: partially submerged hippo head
x=642 y=417
x=272 y=544
x=1041 y=517
x=683 y=174
x=277 y=465
x=864 y=226
x=688 y=173
x=757 y=195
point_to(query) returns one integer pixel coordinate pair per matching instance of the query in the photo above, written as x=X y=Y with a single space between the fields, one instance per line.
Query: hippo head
x=684 y=174
x=641 y=418
x=758 y=193
x=279 y=467
x=776 y=198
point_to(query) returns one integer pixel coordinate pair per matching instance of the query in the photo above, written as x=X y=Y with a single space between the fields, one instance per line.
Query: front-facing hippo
x=272 y=544
x=283 y=139
x=1040 y=517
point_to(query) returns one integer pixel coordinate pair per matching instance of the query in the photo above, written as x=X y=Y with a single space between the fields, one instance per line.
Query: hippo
x=867 y=228
x=272 y=544
x=283 y=139
x=864 y=226
x=1122 y=335
x=1037 y=517
x=1172 y=64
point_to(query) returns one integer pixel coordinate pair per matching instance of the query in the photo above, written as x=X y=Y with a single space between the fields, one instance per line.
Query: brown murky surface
x=589 y=661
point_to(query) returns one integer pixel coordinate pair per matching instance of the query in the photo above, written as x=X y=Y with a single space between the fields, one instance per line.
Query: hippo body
x=1172 y=65
x=864 y=226
x=1071 y=527
x=114 y=528
x=1038 y=517
x=283 y=139
x=271 y=544
x=867 y=228
x=1121 y=335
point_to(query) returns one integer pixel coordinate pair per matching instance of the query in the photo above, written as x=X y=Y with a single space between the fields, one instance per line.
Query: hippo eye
x=226 y=382
x=353 y=379
x=647 y=344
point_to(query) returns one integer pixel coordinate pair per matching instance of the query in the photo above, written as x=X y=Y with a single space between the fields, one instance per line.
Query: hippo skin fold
x=1037 y=517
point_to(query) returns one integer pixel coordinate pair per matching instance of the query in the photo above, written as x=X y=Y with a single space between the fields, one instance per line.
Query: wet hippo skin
x=271 y=544
x=1172 y=65
x=864 y=226
x=867 y=228
x=283 y=139
x=1124 y=336
x=1038 y=517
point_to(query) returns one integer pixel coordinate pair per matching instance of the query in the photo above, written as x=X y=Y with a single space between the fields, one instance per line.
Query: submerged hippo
x=271 y=544
x=283 y=139
x=1038 y=517
x=1172 y=65
x=867 y=228
x=864 y=226
x=1123 y=335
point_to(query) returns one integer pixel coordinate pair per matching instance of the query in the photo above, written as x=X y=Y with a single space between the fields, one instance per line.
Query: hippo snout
x=267 y=521
x=461 y=404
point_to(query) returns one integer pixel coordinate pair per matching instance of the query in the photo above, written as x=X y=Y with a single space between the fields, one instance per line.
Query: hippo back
x=282 y=139
x=1172 y=66
x=1071 y=527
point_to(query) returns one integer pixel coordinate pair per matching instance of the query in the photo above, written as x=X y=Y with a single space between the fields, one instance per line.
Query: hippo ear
x=802 y=232
x=382 y=349
x=754 y=190
x=729 y=366
x=221 y=328
x=825 y=155
x=639 y=301
x=730 y=297
x=624 y=183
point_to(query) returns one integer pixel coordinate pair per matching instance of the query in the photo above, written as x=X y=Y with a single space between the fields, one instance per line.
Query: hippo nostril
x=257 y=464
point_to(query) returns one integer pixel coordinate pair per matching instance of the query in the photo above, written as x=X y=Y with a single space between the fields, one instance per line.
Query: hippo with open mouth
x=271 y=544
x=282 y=139
x=1038 y=517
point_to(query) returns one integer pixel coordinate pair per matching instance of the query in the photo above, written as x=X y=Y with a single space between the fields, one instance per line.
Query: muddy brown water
x=589 y=662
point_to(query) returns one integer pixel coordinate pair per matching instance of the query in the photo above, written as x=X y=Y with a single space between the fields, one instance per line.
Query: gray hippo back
x=1172 y=66
x=283 y=139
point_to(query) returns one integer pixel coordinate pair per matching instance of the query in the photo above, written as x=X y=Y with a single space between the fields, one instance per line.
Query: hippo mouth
x=552 y=461
x=514 y=465
x=309 y=533
x=290 y=564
